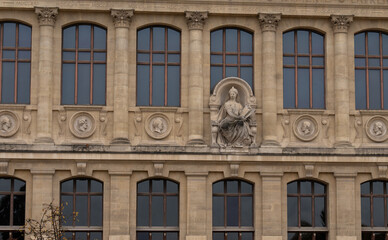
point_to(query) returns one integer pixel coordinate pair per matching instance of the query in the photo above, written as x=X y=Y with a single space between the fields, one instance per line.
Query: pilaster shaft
x=196 y=204
x=42 y=191
x=122 y=20
x=268 y=23
x=46 y=18
x=195 y=22
x=341 y=79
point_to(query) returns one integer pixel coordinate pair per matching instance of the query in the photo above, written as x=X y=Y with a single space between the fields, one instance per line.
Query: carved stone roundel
x=158 y=126
x=82 y=125
x=305 y=128
x=9 y=124
x=376 y=129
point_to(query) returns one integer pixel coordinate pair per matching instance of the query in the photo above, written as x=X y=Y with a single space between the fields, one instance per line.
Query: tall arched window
x=157 y=210
x=371 y=70
x=231 y=55
x=84 y=65
x=303 y=69
x=158 y=66
x=306 y=210
x=12 y=208
x=84 y=197
x=232 y=210
x=15 y=63
x=374 y=210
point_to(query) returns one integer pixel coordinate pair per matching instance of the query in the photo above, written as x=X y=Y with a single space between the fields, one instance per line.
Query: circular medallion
x=376 y=129
x=82 y=125
x=305 y=128
x=9 y=124
x=158 y=126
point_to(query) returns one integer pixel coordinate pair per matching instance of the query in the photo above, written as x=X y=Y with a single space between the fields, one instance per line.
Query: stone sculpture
x=376 y=129
x=9 y=124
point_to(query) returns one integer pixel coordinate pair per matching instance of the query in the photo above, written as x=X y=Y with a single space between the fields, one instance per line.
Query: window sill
x=307 y=229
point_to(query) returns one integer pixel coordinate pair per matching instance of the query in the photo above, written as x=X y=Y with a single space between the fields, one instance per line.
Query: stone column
x=196 y=206
x=122 y=20
x=341 y=79
x=268 y=23
x=119 y=206
x=346 y=206
x=271 y=206
x=42 y=191
x=46 y=18
x=195 y=22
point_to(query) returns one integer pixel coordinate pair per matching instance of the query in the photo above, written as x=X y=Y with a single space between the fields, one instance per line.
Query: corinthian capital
x=196 y=20
x=46 y=16
x=341 y=22
x=121 y=17
x=269 y=22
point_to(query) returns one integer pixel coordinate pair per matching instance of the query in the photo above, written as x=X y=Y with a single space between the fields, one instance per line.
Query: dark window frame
x=92 y=62
x=88 y=229
x=16 y=60
x=165 y=63
x=310 y=67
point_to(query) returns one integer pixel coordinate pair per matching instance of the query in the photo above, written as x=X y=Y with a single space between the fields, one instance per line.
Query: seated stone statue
x=233 y=123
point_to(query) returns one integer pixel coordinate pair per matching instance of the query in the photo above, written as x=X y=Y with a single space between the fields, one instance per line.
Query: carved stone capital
x=196 y=20
x=46 y=16
x=121 y=17
x=269 y=22
x=341 y=22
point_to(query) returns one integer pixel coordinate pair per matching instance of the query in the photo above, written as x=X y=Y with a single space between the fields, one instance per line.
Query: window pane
x=81 y=185
x=215 y=76
x=359 y=62
x=231 y=72
x=216 y=59
x=320 y=215
x=303 y=41
x=303 y=61
x=157 y=211
x=158 y=38
x=143 y=85
x=365 y=188
x=385 y=44
x=218 y=236
x=305 y=212
x=5 y=210
x=99 y=38
x=380 y=236
x=246 y=59
x=158 y=85
x=365 y=212
x=5 y=184
x=171 y=236
x=292 y=211
x=157 y=236
x=9 y=54
x=24 y=55
x=23 y=94
x=69 y=37
x=385 y=85
x=173 y=86
x=9 y=35
x=17 y=235
x=157 y=186
x=84 y=36
x=81 y=206
x=246 y=187
x=95 y=236
x=174 y=40
x=19 y=206
x=378 y=187
x=366 y=235
x=232 y=211
x=173 y=58
x=172 y=211
x=231 y=40
x=246 y=42
x=99 y=73
x=68 y=56
x=143 y=57
x=24 y=36
x=158 y=58
x=374 y=89
x=318 y=61
x=143 y=187
x=292 y=236
x=19 y=186
x=8 y=83
x=95 y=210
x=373 y=43
x=67 y=203
x=319 y=188
x=360 y=83
x=95 y=186
x=84 y=56
x=246 y=236
x=288 y=88
x=232 y=236
x=143 y=39
x=288 y=43
x=218 y=211
x=317 y=43
x=231 y=59
x=378 y=212
x=288 y=60
x=171 y=187
x=320 y=236
x=303 y=88
x=142 y=236
x=67 y=186
x=359 y=44
x=374 y=62
x=246 y=211
x=307 y=236
x=98 y=56
x=83 y=84
x=218 y=187
x=81 y=235
x=68 y=83
x=232 y=186
x=143 y=210
x=318 y=88
x=216 y=41
x=292 y=188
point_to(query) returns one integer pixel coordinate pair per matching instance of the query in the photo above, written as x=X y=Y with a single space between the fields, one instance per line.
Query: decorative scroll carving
x=358 y=127
x=234 y=169
x=158 y=167
x=121 y=17
x=376 y=129
x=158 y=126
x=27 y=121
x=269 y=22
x=325 y=127
x=103 y=122
x=9 y=124
x=46 y=16
x=179 y=122
x=82 y=125
x=4 y=167
x=196 y=20
x=309 y=170
x=137 y=121
x=305 y=128
x=81 y=168
x=286 y=126
x=341 y=23
x=382 y=171
x=62 y=117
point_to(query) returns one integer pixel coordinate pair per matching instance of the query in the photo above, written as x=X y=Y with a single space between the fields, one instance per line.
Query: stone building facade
x=103 y=102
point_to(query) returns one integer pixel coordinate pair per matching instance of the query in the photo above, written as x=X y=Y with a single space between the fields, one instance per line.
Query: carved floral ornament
x=9 y=124
x=269 y=22
x=121 y=17
x=306 y=128
x=46 y=16
x=82 y=125
x=158 y=126
x=341 y=23
x=376 y=129
x=196 y=20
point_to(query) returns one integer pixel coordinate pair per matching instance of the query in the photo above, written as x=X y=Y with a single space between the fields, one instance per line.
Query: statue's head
x=233 y=93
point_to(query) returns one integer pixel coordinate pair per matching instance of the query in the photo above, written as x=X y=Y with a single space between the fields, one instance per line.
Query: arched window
x=306 y=210
x=84 y=197
x=158 y=66
x=15 y=63
x=303 y=69
x=231 y=55
x=232 y=210
x=157 y=210
x=84 y=65
x=374 y=210
x=371 y=70
x=12 y=208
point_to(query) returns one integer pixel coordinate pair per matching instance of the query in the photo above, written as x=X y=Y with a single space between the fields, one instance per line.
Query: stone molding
x=4 y=167
x=158 y=169
x=382 y=171
x=122 y=17
x=341 y=23
x=81 y=168
x=196 y=20
x=46 y=16
x=269 y=22
x=234 y=169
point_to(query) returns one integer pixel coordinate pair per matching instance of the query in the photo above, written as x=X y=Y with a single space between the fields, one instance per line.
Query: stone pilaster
x=271 y=206
x=341 y=79
x=195 y=23
x=46 y=18
x=122 y=20
x=268 y=23
x=42 y=191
